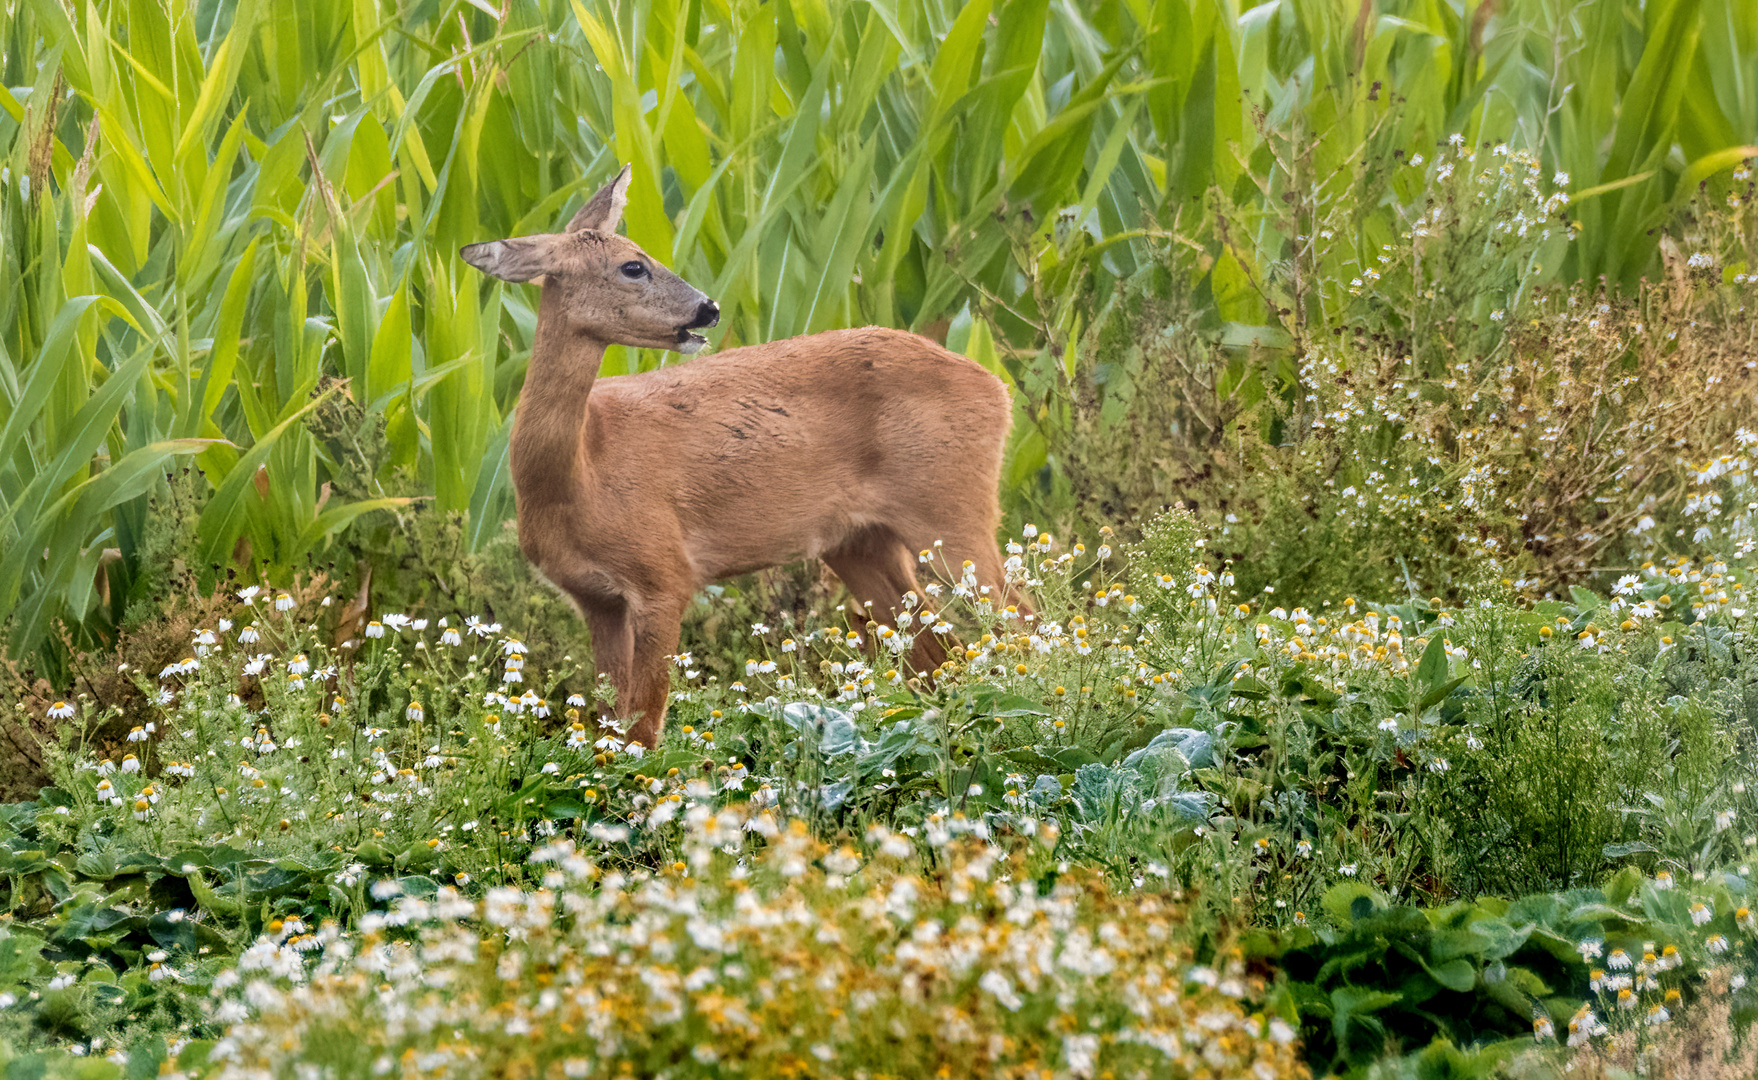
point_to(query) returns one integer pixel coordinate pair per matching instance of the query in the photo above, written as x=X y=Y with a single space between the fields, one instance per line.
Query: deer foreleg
x=613 y=645
x=654 y=633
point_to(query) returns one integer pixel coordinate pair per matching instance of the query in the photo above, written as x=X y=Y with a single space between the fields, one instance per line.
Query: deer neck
x=549 y=456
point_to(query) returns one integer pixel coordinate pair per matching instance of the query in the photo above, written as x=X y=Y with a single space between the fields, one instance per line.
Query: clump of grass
x=1434 y=409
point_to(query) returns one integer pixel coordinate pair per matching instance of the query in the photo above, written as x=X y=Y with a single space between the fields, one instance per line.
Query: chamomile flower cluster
x=269 y=737
x=1637 y=978
x=765 y=947
x=1494 y=196
x=1078 y=634
x=1521 y=424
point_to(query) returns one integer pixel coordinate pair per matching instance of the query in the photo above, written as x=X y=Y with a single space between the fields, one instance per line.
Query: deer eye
x=634 y=270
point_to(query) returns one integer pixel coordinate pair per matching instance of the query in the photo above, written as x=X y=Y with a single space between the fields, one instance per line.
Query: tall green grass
x=220 y=218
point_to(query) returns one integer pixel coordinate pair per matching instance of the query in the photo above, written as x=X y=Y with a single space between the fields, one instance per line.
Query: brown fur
x=860 y=447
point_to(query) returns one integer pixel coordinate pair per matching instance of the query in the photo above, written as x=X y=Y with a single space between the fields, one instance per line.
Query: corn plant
x=223 y=219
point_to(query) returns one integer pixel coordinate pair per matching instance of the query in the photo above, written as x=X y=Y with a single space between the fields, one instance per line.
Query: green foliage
x=82 y=964
x=1570 y=748
x=1383 y=974
x=1373 y=976
x=1554 y=431
x=249 y=220
x=1317 y=792
x=220 y=224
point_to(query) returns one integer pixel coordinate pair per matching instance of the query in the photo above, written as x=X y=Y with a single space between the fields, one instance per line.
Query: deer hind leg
x=632 y=643
x=984 y=556
x=878 y=570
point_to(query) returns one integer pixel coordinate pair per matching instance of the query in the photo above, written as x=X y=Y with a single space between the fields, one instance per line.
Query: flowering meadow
x=1154 y=827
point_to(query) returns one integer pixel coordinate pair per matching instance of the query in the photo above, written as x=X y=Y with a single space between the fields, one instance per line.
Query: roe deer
x=860 y=447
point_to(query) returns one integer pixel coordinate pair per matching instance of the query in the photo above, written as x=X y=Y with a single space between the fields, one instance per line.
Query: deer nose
x=707 y=314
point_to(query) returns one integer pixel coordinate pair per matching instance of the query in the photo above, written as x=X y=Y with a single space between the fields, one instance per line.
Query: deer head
x=610 y=290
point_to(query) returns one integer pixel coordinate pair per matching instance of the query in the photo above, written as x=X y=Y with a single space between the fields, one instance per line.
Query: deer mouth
x=688 y=342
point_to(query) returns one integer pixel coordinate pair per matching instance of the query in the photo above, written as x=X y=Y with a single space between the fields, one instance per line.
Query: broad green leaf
x=1351 y=1005
x=1431 y=670
x=1348 y=901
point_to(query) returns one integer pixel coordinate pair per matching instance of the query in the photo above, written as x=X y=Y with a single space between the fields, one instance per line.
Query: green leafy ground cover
x=1396 y=752
x=306 y=844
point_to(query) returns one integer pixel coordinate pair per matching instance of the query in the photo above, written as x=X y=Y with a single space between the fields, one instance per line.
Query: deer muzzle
x=707 y=314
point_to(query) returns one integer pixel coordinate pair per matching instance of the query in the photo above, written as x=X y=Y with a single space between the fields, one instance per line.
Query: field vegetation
x=1382 y=473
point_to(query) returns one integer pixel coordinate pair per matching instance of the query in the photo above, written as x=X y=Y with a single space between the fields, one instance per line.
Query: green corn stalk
x=219 y=219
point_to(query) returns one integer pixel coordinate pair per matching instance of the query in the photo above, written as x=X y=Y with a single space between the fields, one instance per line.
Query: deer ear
x=520 y=259
x=604 y=211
